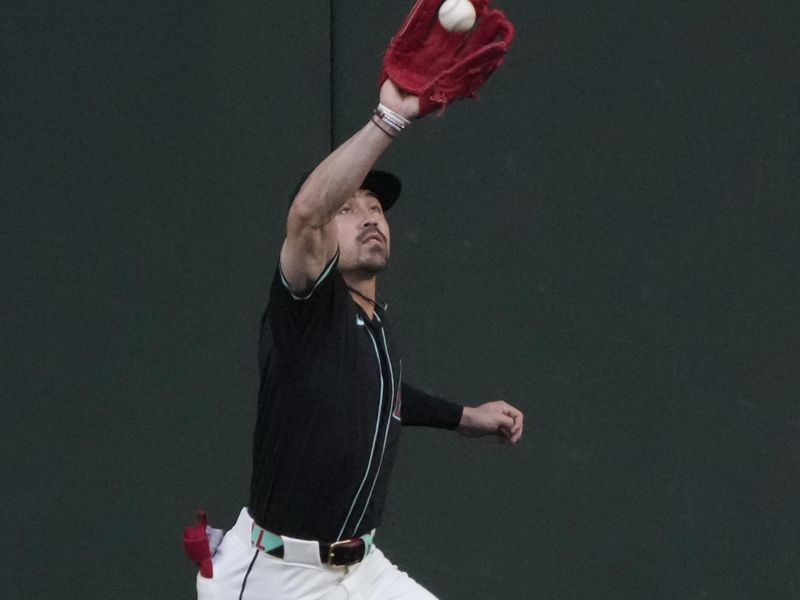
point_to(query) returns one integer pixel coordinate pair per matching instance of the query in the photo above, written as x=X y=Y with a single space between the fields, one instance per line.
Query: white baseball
x=457 y=15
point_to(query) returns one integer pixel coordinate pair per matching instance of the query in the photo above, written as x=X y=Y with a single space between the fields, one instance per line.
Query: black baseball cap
x=385 y=186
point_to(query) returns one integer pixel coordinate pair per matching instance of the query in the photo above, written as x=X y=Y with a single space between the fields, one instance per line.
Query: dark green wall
x=608 y=239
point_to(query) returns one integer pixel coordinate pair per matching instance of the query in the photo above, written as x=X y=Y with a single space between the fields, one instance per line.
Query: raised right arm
x=310 y=229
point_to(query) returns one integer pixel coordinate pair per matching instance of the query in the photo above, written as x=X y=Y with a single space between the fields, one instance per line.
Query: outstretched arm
x=424 y=67
x=310 y=231
x=492 y=418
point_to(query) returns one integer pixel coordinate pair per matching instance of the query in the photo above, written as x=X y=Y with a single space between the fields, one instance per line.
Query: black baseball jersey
x=331 y=404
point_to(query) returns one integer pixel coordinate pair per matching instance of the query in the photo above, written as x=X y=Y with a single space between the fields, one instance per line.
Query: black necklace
x=382 y=305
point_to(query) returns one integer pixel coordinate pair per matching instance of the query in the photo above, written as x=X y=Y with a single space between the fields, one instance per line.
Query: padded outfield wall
x=607 y=238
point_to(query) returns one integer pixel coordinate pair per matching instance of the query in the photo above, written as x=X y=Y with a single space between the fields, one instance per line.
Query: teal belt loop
x=263 y=539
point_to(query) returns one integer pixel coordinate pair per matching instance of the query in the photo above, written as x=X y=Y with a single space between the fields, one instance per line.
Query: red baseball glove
x=439 y=66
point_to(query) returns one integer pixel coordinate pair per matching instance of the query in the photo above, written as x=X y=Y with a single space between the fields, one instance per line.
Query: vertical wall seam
x=331 y=83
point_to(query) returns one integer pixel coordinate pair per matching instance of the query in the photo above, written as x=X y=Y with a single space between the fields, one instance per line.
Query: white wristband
x=395 y=121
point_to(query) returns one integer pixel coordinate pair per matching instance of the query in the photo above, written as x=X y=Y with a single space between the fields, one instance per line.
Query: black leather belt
x=336 y=554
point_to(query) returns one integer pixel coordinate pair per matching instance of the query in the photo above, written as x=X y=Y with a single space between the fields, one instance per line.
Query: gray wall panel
x=602 y=239
x=147 y=156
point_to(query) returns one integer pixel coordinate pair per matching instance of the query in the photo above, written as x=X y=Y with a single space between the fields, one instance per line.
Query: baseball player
x=332 y=397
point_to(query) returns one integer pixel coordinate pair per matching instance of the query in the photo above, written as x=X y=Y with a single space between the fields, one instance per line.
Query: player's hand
x=399 y=101
x=492 y=418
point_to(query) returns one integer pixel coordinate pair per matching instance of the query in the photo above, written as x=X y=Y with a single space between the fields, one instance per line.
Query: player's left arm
x=497 y=418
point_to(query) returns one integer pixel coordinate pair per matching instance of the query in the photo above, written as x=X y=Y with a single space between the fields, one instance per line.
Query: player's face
x=363 y=234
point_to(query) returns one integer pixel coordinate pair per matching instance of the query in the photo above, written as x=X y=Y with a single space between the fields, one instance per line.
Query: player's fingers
x=517 y=433
x=505 y=425
x=518 y=418
x=510 y=410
